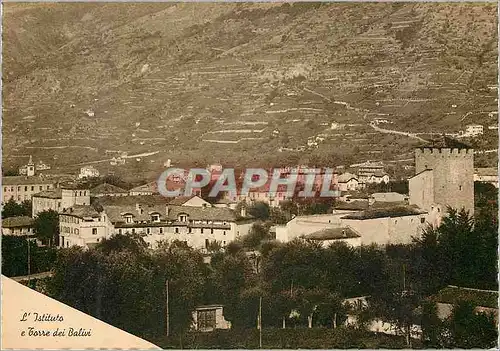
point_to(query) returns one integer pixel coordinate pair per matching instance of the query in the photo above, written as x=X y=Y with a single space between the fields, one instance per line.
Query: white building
x=473 y=130
x=59 y=199
x=382 y=226
x=348 y=182
x=191 y=220
x=28 y=169
x=83 y=226
x=88 y=172
x=486 y=175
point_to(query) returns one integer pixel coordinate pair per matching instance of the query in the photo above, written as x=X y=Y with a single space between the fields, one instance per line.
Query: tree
x=10 y=173
x=46 y=227
x=259 y=210
x=119 y=242
x=432 y=327
x=469 y=329
x=13 y=209
x=257 y=234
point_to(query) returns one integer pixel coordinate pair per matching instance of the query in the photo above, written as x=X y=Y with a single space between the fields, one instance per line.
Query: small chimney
x=243 y=211
x=138 y=208
x=167 y=210
x=344 y=233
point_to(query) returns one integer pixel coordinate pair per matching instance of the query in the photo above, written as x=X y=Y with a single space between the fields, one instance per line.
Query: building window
x=25 y=188
x=18 y=188
x=182 y=218
x=224 y=232
x=176 y=230
x=133 y=230
x=32 y=187
x=459 y=187
x=190 y=230
x=211 y=231
x=422 y=220
x=201 y=231
x=128 y=219
x=161 y=230
x=207 y=242
x=119 y=231
x=48 y=187
x=94 y=231
x=155 y=218
x=148 y=230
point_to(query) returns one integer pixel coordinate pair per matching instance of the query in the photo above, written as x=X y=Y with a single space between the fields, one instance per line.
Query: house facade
x=20 y=226
x=59 y=199
x=22 y=188
x=193 y=221
x=82 y=225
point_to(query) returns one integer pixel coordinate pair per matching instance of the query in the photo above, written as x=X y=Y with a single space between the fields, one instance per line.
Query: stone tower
x=444 y=176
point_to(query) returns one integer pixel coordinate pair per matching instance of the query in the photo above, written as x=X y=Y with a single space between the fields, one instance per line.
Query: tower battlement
x=444 y=151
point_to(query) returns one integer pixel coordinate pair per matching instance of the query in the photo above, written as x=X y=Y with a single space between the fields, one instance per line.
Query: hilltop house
x=486 y=175
x=348 y=182
x=88 y=172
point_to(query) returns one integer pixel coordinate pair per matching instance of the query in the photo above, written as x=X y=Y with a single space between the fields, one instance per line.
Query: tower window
x=459 y=187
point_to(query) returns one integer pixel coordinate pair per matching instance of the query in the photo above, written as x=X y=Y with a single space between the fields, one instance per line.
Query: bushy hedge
x=291 y=338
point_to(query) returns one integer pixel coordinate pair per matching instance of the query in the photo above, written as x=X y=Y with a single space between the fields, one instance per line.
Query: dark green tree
x=46 y=227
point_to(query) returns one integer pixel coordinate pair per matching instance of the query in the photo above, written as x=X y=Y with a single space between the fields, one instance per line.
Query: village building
x=28 y=169
x=382 y=226
x=191 y=220
x=88 y=172
x=22 y=188
x=473 y=130
x=444 y=178
x=329 y=236
x=20 y=226
x=348 y=182
x=486 y=175
x=59 y=199
x=82 y=225
x=372 y=173
x=106 y=189
x=388 y=197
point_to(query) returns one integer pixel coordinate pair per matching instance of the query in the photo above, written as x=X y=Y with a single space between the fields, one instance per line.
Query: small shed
x=207 y=318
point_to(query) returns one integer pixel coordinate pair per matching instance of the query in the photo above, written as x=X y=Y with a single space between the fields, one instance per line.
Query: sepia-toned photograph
x=243 y=175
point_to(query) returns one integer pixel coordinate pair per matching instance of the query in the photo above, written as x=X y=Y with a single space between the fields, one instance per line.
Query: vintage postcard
x=238 y=175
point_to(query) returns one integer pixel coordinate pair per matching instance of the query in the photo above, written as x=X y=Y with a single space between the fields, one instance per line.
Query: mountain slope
x=241 y=83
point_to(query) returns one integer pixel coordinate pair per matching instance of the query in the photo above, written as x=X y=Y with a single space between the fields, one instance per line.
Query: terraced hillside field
x=241 y=83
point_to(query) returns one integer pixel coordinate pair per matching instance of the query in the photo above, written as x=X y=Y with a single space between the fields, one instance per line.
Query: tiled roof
x=333 y=234
x=149 y=187
x=106 y=188
x=444 y=142
x=132 y=200
x=203 y=213
x=81 y=211
x=397 y=211
x=13 y=222
x=24 y=180
x=51 y=193
x=351 y=205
